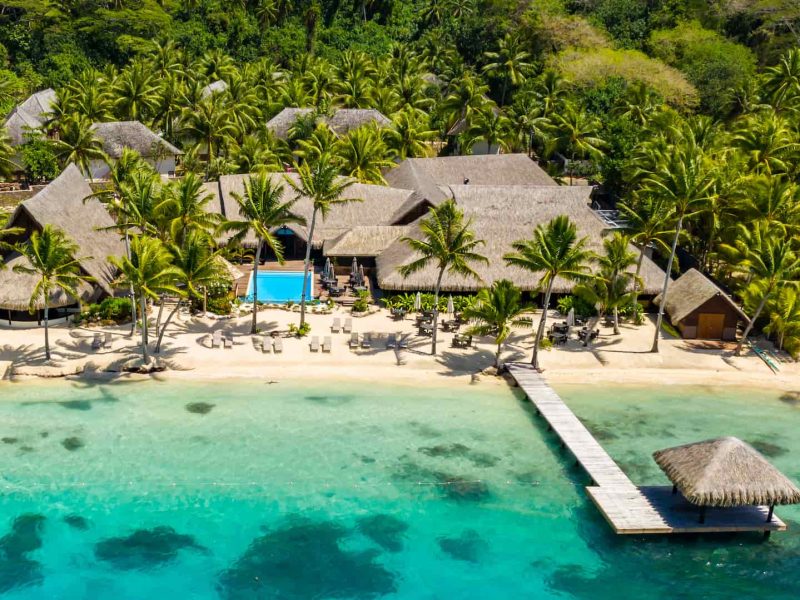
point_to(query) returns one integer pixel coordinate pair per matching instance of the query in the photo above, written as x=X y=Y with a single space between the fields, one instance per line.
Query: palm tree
x=491 y=125
x=769 y=143
x=510 y=62
x=497 y=309
x=782 y=83
x=649 y=223
x=78 y=144
x=320 y=183
x=768 y=260
x=684 y=182
x=614 y=263
x=184 y=208
x=51 y=258
x=263 y=212
x=149 y=273
x=409 y=134
x=578 y=133
x=362 y=155
x=199 y=268
x=137 y=92
x=7 y=164
x=555 y=251
x=448 y=242
x=210 y=122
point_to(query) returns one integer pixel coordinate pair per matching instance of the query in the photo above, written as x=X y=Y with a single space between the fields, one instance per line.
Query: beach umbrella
x=571 y=318
x=418 y=302
x=361 y=278
x=354 y=267
x=450 y=308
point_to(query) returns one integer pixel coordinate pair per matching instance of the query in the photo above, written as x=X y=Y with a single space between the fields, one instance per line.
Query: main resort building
x=505 y=196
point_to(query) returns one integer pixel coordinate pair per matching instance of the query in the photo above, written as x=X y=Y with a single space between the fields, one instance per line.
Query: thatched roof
x=377 y=205
x=366 y=240
x=215 y=87
x=118 y=135
x=29 y=115
x=502 y=215
x=341 y=121
x=61 y=204
x=16 y=288
x=689 y=292
x=725 y=472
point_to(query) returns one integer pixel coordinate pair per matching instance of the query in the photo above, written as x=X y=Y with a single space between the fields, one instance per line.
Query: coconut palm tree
x=199 y=268
x=784 y=320
x=509 y=62
x=782 y=84
x=614 y=263
x=263 y=211
x=184 y=208
x=78 y=144
x=210 y=122
x=362 y=154
x=137 y=92
x=491 y=125
x=649 y=224
x=319 y=182
x=149 y=272
x=446 y=241
x=769 y=142
x=554 y=251
x=7 y=164
x=768 y=260
x=496 y=311
x=408 y=136
x=51 y=259
x=578 y=133
x=684 y=181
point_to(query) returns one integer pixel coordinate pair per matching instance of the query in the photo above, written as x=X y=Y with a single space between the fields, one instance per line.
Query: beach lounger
x=348 y=325
x=266 y=343
x=366 y=341
x=227 y=342
x=326 y=343
x=337 y=326
x=391 y=342
x=277 y=345
x=97 y=342
x=107 y=340
x=353 y=340
x=216 y=339
x=402 y=343
x=314 y=345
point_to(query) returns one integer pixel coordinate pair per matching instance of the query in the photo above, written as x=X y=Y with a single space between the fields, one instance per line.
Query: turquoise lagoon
x=240 y=489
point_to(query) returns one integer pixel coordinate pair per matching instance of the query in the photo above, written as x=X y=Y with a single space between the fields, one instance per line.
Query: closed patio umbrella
x=418 y=302
x=354 y=267
x=450 y=308
x=328 y=269
x=571 y=318
x=361 y=278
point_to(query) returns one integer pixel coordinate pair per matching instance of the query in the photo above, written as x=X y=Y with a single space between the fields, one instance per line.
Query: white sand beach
x=187 y=353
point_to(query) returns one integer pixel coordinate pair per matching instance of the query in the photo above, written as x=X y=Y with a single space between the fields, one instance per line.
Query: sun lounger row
x=101 y=340
x=326 y=344
x=217 y=340
x=266 y=343
x=368 y=339
x=336 y=327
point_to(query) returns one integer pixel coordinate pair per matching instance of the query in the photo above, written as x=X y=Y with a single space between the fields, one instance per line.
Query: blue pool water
x=243 y=490
x=280 y=286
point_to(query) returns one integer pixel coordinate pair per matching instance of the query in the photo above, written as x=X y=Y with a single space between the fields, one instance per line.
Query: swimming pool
x=280 y=286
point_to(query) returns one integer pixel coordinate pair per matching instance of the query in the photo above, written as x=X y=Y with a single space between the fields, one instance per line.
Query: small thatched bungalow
x=700 y=309
x=29 y=116
x=116 y=136
x=61 y=204
x=726 y=472
x=341 y=121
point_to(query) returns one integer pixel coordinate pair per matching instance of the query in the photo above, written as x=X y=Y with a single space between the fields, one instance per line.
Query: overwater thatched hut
x=725 y=472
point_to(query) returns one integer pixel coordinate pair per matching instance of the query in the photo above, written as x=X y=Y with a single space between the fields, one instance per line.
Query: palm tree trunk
x=616 y=321
x=143 y=311
x=660 y=317
x=635 y=299
x=164 y=328
x=306 y=266
x=133 y=293
x=503 y=93
x=253 y=326
x=542 y=322
x=436 y=310
x=497 y=356
x=160 y=312
x=46 y=331
x=752 y=322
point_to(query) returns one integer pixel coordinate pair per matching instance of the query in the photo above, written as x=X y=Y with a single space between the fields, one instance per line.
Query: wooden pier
x=627 y=508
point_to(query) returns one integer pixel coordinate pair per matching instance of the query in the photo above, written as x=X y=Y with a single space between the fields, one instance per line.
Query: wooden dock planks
x=627 y=508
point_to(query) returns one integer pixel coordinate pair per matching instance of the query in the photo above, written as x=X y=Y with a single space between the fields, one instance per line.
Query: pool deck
x=627 y=508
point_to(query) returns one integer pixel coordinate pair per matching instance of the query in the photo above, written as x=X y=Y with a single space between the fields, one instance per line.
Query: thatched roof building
x=118 y=135
x=341 y=121
x=61 y=204
x=29 y=115
x=363 y=241
x=500 y=216
x=725 y=472
x=700 y=309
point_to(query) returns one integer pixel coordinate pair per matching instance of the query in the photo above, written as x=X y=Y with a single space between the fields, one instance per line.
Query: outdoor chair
x=353 y=340
x=227 y=342
x=216 y=339
x=398 y=313
x=97 y=342
x=337 y=325
x=366 y=340
x=402 y=343
x=391 y=341
x=462 y=341
x=326 y=343
x=348 y=325
x=335 y=291
x=107 y=340
x=277 y=345
x=266 y=344
x=314 y=344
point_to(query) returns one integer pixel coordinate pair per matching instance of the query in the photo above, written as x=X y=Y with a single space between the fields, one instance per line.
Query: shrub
x=117 y=310
x=581 y=307
x=301 y=331
x=220 y=305
x=362 y=304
